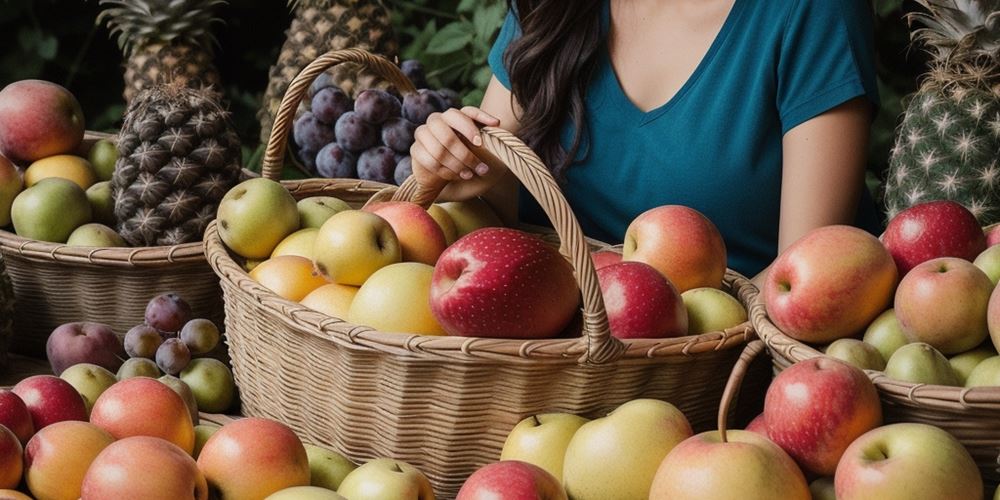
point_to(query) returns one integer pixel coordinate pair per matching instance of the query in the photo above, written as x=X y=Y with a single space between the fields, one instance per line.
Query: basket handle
x=274 y=154
x=736 y=377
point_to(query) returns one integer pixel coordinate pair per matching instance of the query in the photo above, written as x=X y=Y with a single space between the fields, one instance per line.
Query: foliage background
x=451 y=37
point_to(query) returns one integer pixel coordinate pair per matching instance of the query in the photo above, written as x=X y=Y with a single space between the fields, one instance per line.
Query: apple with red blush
x=604 y=258
x=511 y=480
x=421 y=238
x=50 y=399
x=925 y=231
x=640 y=302
x=38 y=119
x=681 y=243
x=15 y=416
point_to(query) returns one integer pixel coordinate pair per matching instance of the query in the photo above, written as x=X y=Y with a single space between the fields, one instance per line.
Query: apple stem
x=535 y=419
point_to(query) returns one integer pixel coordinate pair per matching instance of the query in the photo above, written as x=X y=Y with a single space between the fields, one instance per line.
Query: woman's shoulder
x=789 y=11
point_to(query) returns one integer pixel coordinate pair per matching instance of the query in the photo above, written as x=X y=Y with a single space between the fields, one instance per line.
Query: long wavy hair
x=550 y=67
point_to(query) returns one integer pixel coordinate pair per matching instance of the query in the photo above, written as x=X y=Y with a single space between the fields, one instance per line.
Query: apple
x=202 y=433
x=143 y=406
x=291 y=277
x=14 y=415
x=421 y=239
x=11 y=459
x=470 y=215
x=985 y=374
x=885 y=334
x=95 y=235
x=102 y=205
x=89 y=380
x=253 y=458
x=70 y=167
x=58 y=456
x=444 y=220
x=943 y=302
x=211 y=383
x=138 y=367
x=964 y=363
x=38 y=119
x=907 y=460
x=603 y=258
x=617 y=456
x=50 y=399
x=84 y=342
x=511 y=480
x=823 y=489
x=542 y=440
x=758 y=425
x=13 y=495
x=640 y=302
x=10 y=185
x=993 y=318
x=144 y=467
x=353 y=244
x=184 y=391
x=384 y=478
x=305 y=493
x=712 y=310
x=255 y=215
x=925 y=231
x=396 y=298
x=503 y=283
x=50 y=210
x=315 y=210
x=102 y=156
x=332 y=299
x=857 y=353
x=679 y=242
x=327 y=469
x=920 y=363
x=829 y=284
x=746 y=465
x=989 y=262
x=299 y=243
x=816 y=407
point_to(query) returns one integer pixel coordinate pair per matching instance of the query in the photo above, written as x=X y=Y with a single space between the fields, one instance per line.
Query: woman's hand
x=438 y=154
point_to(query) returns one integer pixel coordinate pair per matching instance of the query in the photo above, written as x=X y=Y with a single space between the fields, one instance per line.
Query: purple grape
x=376 y=106
x=414 y=70
x=329 y=103
x=354 y=133
x=397 y=133
x=142 y=341
x=404 y=169
x=167 y=313
x=324 y=80
x=173 y=356
x=310 y=133
x=377 y=164
x=308 y=158
x=417 y=107
x=335 y=162
x=451 y=97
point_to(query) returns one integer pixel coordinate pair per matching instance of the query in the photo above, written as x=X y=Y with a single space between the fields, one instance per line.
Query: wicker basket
x=6 y=320
x=971 y=414
x=56 y=284
x=445 y=404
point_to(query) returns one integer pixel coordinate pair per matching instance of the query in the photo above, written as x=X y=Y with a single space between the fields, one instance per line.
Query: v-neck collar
x=621 y=98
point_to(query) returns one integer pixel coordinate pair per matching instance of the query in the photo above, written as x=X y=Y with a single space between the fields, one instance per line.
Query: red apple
x=11 y=459
x=511 y=480
x=758 y=425
x=421 y=239
x=498 y=282
x=992 y=233
x=993 y=318
x=829 y=284
x=816 y=408
x=943 y=302
x=640 y=302
x=84 y=342
x=50 y=399
x=38 y=119
x=142 y=406
x=604 y=258
x=925 y=231
x=15 y=416
x=144 y=467
x=681 y=243
x=253 y=458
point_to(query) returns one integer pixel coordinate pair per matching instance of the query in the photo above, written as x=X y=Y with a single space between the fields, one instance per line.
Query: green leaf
x=487 y=22
x=466 y=6
x=886 y=7
x=452 y=38
x=482 y=76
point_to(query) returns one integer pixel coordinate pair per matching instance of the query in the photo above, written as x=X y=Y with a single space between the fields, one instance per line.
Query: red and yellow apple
x=640 y=302
x=50 y=399
x=57 y=458
x=143 y=406
x=353 y=244
x=396 y=298
x=511 y=480
x=993 y=318
x=144 y=467
x=421 y=238
x=38 y=119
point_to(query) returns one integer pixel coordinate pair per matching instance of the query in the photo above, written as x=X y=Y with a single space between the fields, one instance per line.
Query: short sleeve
x=508 y=32
x=827 y=58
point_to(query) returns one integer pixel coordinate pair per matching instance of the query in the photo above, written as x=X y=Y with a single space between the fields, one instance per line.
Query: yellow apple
x=445 y=221
x=10 y=185
x=471 y=214
x=68 y=167
x=95 y=235
x=384 y=478
x=711 y=310
x=353 y=244
x=542 y=440
x=298 y=243
x=255 y=215
x=396 y=298
x=305 y=493
x=333 y=299
x=315 y=210
x=89 y=380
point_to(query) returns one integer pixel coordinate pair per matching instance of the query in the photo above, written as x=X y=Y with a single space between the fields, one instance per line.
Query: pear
x=919 y=363
x=857 y=353
x=964 y=363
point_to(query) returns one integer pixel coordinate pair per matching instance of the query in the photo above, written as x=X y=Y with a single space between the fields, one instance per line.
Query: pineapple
x=163 y=41
x=6 y=314
x=178 y=154
x=948 y=142
x=320 y=26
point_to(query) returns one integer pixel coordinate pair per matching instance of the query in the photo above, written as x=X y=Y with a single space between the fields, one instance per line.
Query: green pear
x=102 y=205
x=182 y=390
x=919 y=363
x=327 y=468
x=139 y=367
x=886 y=334
x=857 y=353
x=255 y=215
x=315 y=210
x=89 y=380
x=212 y=383
x=95 y=235
x=985 y=374
x=964 y=363
x=103 y=155
x=201 y=434
x=50 y=210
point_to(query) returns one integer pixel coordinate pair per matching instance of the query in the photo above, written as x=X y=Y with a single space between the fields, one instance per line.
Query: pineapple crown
x=145 y=22
x=963 y=39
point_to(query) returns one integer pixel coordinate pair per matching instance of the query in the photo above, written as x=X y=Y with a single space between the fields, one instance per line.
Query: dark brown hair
x=550 y=67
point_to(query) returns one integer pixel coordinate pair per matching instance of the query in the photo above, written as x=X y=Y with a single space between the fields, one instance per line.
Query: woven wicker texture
x=446 y=404
x=56 y=284
x=971 y=414
x=6 y=316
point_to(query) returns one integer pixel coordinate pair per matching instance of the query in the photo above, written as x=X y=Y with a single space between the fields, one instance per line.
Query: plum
x=329 y=103
x=377 y=164
x=173 y=356
x=142 y=341
x=397 y=133
x=376 y=106
x=354 y=133
x=335 y=162
x=168 y=313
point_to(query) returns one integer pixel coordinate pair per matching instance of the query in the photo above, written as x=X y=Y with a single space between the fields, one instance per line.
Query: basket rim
x=942 y=397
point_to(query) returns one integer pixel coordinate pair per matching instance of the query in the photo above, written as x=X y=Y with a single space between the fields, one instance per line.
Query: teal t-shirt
x=716 y=145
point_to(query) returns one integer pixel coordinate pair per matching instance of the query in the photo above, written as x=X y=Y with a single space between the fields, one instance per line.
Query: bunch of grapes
x=368 y=138
x=170 y=337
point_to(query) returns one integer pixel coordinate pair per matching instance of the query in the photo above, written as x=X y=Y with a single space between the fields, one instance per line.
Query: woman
x=754 y=112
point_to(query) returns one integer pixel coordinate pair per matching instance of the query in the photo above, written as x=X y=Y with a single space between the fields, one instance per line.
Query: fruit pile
x=449 y=270
x=920 y=304
x=367 y=138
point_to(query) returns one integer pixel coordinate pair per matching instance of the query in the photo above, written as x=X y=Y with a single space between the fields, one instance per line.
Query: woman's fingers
x=438 y=151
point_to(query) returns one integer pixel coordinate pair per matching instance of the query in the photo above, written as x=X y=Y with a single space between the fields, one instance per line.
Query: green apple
x=10 y=185
x=102 y=205
x=920 y=363
x=327 y=469
x=886 y=334
x=315 y=210
x=989 y=261
x=542 y=440
x=469 y=215
x=711 y=310
x=305 y=493
x=201 y=434
x=385 y=478
x=985 y=374
x=255 y=215
x=95 y=235
x=445 y=221
x=50 y=210
x=616 y=457
x=823 y=489
x=103 y=155
x=212 y=383
x=139 y=367
x=89 y=380
x=860 y=354
x=964 y=363
x=353 y=244
x=182 y=390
